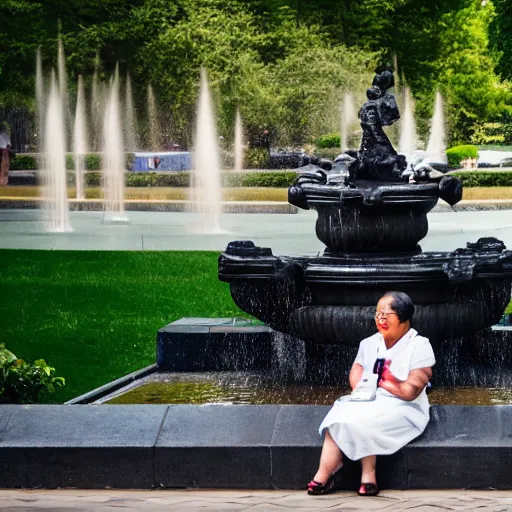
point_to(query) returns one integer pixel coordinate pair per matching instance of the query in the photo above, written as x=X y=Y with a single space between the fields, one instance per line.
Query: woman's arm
x=356 y=373
x=408 y=389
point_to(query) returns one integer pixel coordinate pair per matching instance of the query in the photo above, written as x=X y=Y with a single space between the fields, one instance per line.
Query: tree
x=501 y=36
x=466 y=76
x=281 y=74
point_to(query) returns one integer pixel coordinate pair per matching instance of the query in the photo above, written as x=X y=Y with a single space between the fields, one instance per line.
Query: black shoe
x=317 y=489
x=369 y=489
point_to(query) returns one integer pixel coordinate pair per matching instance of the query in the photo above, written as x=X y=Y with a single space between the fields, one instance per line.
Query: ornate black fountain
x=371 y=222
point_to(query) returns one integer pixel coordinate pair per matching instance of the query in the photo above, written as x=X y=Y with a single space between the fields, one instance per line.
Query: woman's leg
x=330 y=459
x=368 y=471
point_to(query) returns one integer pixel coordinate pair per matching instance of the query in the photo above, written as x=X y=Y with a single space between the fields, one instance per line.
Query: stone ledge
x=110 y=387
x=473 y=205
x=230 y=446
x=95 y=205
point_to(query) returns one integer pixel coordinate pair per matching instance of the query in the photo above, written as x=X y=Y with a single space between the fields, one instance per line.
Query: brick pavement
x=219 y=500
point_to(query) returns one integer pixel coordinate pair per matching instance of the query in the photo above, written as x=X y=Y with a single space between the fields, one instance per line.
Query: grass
x=475 y=193
x=94 y=315
x=160 y=193
x=229 y=194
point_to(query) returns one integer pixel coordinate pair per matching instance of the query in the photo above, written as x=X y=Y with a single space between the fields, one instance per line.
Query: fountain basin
x=331 y=299
x=368 y=218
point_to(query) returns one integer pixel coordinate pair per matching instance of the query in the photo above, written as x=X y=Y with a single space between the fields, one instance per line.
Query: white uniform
x=386 y=424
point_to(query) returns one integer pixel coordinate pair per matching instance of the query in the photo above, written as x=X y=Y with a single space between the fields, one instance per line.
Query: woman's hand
x=388 y=381
x=409 y=389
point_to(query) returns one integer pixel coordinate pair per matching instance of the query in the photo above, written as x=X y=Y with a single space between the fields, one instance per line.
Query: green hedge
x=232 y=179
x=278 y=179
x=331 y=140
x=458 y=153
x=330 y=153
x=23 y=162
x=484 y=178
x=261 y=179
x=256 y=158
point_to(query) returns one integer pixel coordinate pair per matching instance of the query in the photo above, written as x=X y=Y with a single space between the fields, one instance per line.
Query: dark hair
x=401 y=304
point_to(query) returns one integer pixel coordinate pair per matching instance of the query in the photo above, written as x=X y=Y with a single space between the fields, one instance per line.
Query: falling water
x=153 y=124
x=97 y=102
x=55 y=186
x=131 y=139
x=98 y=99
x=79 y=139
x=239 y=143
x=436 y=148
x=348 y=119
x=288 y=357
x=205 y=183
x=63 y=87
x=39 y=100
x=408 y=135
x=113 y=158
x=63 y=79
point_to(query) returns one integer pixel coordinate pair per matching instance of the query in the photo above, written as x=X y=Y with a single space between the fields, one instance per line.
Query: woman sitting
x=388 y=406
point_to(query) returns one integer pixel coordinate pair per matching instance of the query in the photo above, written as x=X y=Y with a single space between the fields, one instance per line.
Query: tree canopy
x=284 y=63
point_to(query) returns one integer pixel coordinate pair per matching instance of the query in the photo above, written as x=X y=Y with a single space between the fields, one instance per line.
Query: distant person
x=388 y=406
x=5 y=149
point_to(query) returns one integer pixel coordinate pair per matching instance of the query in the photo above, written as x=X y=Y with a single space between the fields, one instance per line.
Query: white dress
x=386 y=424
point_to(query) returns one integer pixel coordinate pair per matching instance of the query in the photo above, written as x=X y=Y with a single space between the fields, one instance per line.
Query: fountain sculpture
x=371 y=225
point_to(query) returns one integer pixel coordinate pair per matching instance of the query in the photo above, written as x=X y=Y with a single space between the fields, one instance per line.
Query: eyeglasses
x=383 y=314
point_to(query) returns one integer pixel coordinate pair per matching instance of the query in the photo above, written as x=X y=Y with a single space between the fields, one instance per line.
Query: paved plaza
x=292 y=234
x=166 y=500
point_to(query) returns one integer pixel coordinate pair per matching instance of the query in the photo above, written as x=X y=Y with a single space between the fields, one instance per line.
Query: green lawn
x=94 y=315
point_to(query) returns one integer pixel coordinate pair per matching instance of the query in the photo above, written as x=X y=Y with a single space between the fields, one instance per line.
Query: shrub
x=256 y=158
x=492 y=133
x=330 y=153
x=484 y=178
x=92 y=179
x=23 y=163
x=228 y=179
x=331 y=140
x=269 y=179
x=24 y=383
x=130 y=157
x=70 y=162
x=233 y=179
x=158 y=179
x=181 y=179
x=458 y=153
x=92 y=162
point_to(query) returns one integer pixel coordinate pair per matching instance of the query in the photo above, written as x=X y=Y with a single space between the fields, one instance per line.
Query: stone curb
x=93 y=205
x=263 y=446
x=473 y=206
x=115 y=385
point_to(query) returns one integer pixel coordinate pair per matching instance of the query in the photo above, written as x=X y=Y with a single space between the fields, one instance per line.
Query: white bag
x=366 y=389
